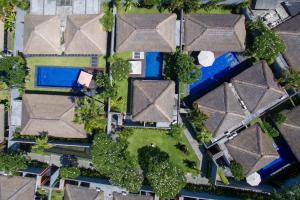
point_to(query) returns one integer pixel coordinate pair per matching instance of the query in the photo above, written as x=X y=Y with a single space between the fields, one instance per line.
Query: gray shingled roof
x=73 y=192
x=222 y=108
x=52 y=114
x=256 y=86
x=153 y=100
x=266 y=4
x=84 y=34
x=146 y=32
x=253 y=149
x=118 y=196
x=290 y=33
x=2 y=122
x=214 y=32
x=42 y=35
x=17 y=188
x=291 y=131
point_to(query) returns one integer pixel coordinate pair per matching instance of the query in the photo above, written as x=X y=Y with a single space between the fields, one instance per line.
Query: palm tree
x=41 y=144
x=290 y=79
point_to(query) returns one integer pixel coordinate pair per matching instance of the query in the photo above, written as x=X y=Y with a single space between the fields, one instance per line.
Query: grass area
x=57 y=195
x=102 y=62
x=144 y=137
x=137 y=10
x=122 y=92
x=125 y=55
x=217 y=10
x=52 y=61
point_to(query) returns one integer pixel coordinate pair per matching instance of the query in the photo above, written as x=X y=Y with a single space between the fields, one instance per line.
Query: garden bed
x=159 y=138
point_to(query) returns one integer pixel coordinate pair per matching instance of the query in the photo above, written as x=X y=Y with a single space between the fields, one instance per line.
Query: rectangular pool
x=54 y=76
x=154 y=64
x=222 y=67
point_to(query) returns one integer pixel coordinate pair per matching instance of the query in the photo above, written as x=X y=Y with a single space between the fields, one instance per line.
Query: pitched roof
x=146 y=32
x=84 y=34
x=222 y=108
x=16 y=187
x=73 y=192
x=266 y=4
x=52 y=114
x=214 y=32
x=1 y=36
x=153 y=100
x=256 y=86
x=119 y=196
x=289 y=31
x=290 y=131
x=42 y=34
x=253 y=149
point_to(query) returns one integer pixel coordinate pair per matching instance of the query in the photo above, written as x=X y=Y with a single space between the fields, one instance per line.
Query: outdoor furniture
x=85 y=79
x=136 y=67
x=206 y=58
x=253 y=179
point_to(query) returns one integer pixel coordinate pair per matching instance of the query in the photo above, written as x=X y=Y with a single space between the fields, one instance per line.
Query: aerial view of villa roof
x=149 y=99
x=50 y=114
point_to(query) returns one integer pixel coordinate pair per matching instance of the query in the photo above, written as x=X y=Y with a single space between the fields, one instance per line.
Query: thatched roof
x=1 y=36
x=153 y=100
x=51 y=114
x=253 y=149
x=290 y=130
x=214 y=32
x=73 y=192
x=42 y=34
x=256 y=86
x=119 y=196
x=222 y=108
x=290 y=33
x=84 y=34
x=146 y=32
x=16 y=187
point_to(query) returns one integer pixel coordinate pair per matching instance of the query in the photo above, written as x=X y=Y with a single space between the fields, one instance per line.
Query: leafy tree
x=149 y=156
x=237 y=170
x=90 y=112
x=176 y=130
x=166 y=179
x=290 y=79
x=204 y=135
x=69 y=172
x=279 y=118
x=197 y=118
x=107 y=20
x=129 y=4
x=124 y=134
x=265 y=44
x=41 y=144
x=120 y=68
x=12 y=163
x=150 y=3
x=271 y=131
x=106 y=89
x=181 y=66
x=176 y=5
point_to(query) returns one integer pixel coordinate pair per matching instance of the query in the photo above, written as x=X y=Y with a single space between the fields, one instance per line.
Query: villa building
x=73 y=192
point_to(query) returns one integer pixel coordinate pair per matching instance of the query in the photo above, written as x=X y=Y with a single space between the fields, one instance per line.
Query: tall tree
x=290 y=79
x=120 y=68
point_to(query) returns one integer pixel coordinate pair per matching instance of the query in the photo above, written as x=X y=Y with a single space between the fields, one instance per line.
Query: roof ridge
x=241 y=43
x=190 y=17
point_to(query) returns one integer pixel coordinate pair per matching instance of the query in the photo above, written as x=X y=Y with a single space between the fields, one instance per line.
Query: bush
x=69 y=172
x=204 y=135
x=237 y=170
x=290 y=79
x=41 y=144
x=279 y=118
x=105 y=89
x=150 y=3
x=223 y=177
x=120 y=68
x=12 y=163
x=190 y=164
x=107 y=20
x=197 y=117
x=188 y=6
x=271 y=131
x=176 y=130
x=183 y=148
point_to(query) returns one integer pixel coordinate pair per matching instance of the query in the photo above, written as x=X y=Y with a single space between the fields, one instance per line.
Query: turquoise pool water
x=55 y=76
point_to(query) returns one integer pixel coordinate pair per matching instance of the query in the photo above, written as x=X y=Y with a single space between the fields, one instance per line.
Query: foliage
x=41 y=144
x=181 y=66
x=237 y=170
x=13 y=71
x=271 y=131
x=115 y=104
x=197 y=117
x=130 y=4
x=265 y=43
x=204 y=135
x=288 y=194
x=279 y=118
x=111 y=159
x=120 y=68
x=166 y=179
x=69 y=172
x=188 y=6
x=176 y=130
x=106 y=89
x=124 y=134
x=107 y=20
x=150 y=3
x=149 y=156
x=290 y=79
x=182 y=147
x=90 y=112
x=222 y=176
x=12 y=163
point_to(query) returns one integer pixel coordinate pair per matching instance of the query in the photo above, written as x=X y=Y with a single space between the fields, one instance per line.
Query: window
x=64 y=2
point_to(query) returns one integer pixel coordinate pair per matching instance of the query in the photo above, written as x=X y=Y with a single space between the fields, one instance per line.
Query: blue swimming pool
x=286 y=157
x=222 y=67
x=50 y=76
x=154 y=64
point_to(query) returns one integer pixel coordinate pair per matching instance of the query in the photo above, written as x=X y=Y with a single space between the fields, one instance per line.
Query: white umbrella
x=206 y=58
x=253 y=179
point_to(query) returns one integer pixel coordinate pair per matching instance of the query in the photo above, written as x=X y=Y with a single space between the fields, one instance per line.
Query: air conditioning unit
x=138 y=55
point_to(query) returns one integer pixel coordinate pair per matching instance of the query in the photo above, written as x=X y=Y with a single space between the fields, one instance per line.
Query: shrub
x=12 y=163
x=237 y=170
x=182 y=147
x=41 y=144
x=279 y=118
x=69 y=172
x=105 y=89
x=150 y=3
x=271 y=131
x=204 y=135
x=190 y=164
x=120 y=68
x=107 y=20
x=176 y=130
x=197 y=118
x=176 y=5
x=290 y=79
x=222 y=176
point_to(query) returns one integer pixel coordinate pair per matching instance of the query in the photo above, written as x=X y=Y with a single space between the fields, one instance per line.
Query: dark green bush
x=237 y=170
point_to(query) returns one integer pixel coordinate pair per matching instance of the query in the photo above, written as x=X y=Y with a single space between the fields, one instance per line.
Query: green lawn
x=217 y=10
x=136 y=10
x=32 y=62
x=102 y=62
x=144 y=137
x=123 y=92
